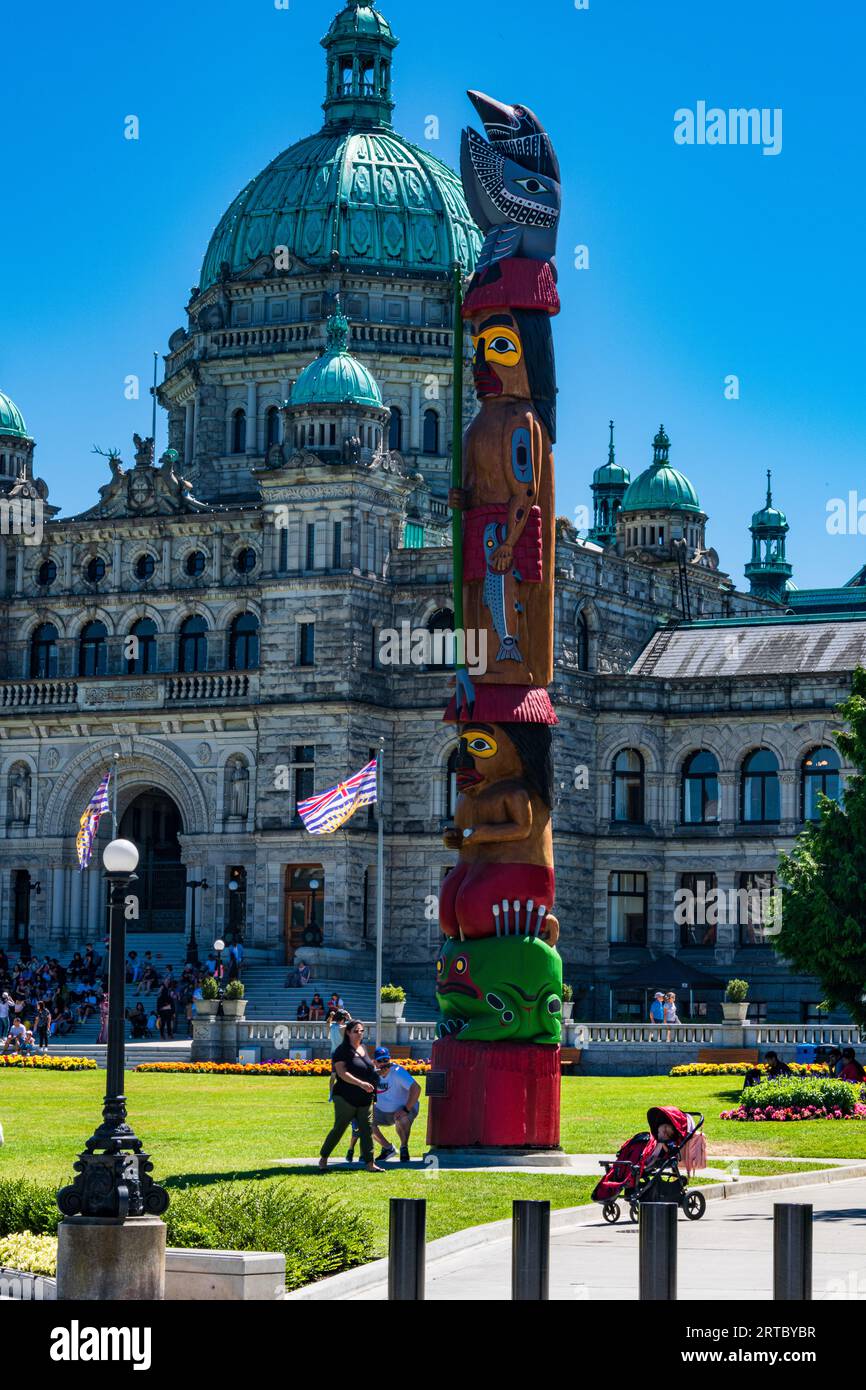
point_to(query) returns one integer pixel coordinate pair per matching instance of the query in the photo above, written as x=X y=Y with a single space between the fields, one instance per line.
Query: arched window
x=395 y=429
x=272 y=427
x=582 y=642
x=239 y=432
x=700 y=803
x=820 y=774
x=244 y=643
x=142 y=661
x=192 y=647
x=430 y=443
x=439 y=625
x=93 y=650
x=43 y=652
x=627 y=799
x=46 y=574
x=451 y=783
x=760 y=798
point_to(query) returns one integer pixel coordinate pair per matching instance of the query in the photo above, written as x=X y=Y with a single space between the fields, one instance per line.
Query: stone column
x=2 y=568
x=218 y=556
x=415 y=417
x=195 y=419
x=75 y=919
x=166 y=561
x=19 y=568
x=58 y=904
x=252 y=419
x=729 y=787
x=95 y=898
x=189 y=431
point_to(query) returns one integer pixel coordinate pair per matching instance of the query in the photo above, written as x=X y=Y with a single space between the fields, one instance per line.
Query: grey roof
x=760 y=647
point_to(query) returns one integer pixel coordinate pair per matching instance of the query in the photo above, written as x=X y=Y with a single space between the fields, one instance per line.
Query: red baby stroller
x=646 y=1169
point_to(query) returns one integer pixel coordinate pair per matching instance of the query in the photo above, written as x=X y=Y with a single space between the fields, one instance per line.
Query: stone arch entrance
x=153 y=822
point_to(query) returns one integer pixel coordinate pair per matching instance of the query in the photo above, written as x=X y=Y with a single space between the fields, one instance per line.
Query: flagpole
x=380 y=883
x=114 y=793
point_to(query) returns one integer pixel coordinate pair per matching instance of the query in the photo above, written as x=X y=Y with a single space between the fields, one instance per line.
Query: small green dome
x=359 y=18
x=611 y=474
x=661 y=488
x=336 y=377
x=769 y=518
x=11 y=419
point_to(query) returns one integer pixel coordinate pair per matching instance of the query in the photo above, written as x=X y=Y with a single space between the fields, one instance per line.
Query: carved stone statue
x=238 y=790
x=19 y=795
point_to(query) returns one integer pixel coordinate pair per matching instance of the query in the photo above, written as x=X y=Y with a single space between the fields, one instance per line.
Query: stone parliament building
x=211 y=626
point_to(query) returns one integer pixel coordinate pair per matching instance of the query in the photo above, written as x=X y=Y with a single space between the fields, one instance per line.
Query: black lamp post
x=115 y=1182
x=192 y=947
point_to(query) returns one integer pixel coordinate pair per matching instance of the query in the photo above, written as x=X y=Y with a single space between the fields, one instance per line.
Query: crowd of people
x=44 y=1001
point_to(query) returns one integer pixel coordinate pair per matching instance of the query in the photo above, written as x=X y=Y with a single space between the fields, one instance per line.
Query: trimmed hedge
x=741 y=1068
x=800 y=1091
x=319 y=1066
x=48 y=1063
x=317 y=1234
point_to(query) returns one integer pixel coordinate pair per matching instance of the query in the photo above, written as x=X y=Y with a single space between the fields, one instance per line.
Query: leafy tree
x=823 y=919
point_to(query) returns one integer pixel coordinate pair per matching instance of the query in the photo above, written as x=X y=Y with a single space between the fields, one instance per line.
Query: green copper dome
x=336 y=377
x=11 y=419
x=769 y=518
x=660 y=487
x=356 y=192
x=358 y=18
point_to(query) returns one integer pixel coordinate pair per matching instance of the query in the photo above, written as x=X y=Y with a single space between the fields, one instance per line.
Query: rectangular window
x=697 y=918
x=306 y=644
x=413 y=538
x=338 y=545
x=304 y=768
x=627 y=909
x=311 y=545
x=284 y=549
x=755 y=901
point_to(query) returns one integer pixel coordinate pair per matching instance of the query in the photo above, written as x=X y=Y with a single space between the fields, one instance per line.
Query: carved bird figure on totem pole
x=512 y=184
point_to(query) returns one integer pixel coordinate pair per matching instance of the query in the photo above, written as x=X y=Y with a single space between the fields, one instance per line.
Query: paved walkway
x=725 y=1256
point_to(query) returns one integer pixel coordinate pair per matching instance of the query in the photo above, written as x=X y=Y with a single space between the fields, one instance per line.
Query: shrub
x=235 y=990
x=801 y=1091
x=317 y=1235
x=209 y=988
x=737 y=991
x=29 y=1253
x=26 y=1205
x=393 y=994
x=567 y=994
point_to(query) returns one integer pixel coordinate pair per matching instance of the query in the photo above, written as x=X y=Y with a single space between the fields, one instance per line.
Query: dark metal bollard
x=792 y=1252
x=530 y=1252
x=658 y=1252
x=406 y=1249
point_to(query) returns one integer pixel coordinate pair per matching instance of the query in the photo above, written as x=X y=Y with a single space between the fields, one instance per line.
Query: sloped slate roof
x=778 y=647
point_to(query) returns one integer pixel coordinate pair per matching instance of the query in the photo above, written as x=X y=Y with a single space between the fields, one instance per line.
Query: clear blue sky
x=704 y=261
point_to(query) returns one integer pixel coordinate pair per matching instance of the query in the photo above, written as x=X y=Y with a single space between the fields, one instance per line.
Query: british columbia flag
x=329 y=810
x=96 y=807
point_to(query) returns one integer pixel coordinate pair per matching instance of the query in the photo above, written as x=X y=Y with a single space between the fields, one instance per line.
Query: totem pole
x=495 y=1076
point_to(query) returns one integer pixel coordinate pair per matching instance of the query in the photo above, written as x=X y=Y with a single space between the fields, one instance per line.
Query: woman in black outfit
x=165 y=1013
x=354 y=1092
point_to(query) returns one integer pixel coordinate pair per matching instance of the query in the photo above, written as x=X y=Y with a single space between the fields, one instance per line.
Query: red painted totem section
x=494 y=1095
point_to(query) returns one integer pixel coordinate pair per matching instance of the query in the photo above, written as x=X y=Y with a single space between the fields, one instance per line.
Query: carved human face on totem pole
x=498 y=364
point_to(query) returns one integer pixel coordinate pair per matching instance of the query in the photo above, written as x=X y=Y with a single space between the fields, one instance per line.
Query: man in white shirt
x=397 y=1103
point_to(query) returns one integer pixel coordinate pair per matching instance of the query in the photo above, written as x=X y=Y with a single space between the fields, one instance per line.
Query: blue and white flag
x=329 y=810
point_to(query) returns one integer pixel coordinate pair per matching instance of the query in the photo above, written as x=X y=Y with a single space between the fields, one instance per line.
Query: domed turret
x=16 y=446
x=768 y=571
x=661 y=509
x=358 y=193
x=609 y=485
x=336 y=377
x=335 y=410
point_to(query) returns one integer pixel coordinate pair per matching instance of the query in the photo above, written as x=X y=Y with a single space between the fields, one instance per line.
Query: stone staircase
x=266 y=994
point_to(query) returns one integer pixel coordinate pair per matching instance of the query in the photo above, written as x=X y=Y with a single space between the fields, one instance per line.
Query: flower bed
x=741 y=1068
x=29 y=1253
x=48 y=1063
x=320 y=1066
x=799 y=1098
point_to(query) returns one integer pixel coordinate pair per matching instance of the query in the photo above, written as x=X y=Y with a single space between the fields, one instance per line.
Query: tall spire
x=360 y=47
x=611 y=455
x=609 y=485
x=769 y=570
x=769 y=489
x=661 y=448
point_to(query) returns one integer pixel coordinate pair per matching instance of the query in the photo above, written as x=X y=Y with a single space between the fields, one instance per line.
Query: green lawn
x=202 y=1129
